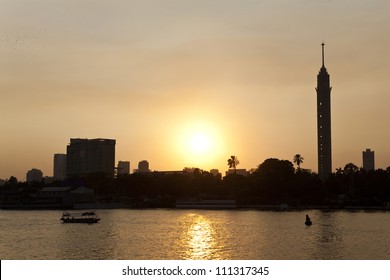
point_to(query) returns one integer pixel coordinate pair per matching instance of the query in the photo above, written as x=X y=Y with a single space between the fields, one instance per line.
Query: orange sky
x=154 y=74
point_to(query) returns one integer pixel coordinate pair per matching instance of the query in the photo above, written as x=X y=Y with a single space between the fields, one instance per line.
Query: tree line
x=274 y=181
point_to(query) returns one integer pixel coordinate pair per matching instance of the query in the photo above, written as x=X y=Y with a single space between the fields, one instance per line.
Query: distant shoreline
x=270 y=207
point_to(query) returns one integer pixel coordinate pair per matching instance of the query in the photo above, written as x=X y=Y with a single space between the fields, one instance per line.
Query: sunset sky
x=188 y=83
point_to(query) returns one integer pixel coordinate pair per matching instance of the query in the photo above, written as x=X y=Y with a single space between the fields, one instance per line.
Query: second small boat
x=84 y=217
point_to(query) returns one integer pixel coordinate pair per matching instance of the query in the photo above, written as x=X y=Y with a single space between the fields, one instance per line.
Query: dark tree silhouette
x=12 y=181
x=350 y=168
x=298 y=159
x=274 y=178
x=277 y=168
x=233 y=162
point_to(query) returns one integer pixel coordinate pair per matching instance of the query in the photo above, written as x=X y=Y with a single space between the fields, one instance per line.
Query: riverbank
x=261 y=207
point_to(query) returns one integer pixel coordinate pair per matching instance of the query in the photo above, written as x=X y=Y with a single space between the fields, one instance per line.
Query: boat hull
x=88 y=217
x=80 y=221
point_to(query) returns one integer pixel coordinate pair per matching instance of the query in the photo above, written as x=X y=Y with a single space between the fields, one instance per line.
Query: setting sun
x=200 y=143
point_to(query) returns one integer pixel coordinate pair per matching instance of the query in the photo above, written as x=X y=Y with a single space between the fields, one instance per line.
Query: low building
x=66 y=195
x=123 y=167
x=206 y=204
x=143 y=166
x=48 y=180
x=215 y=172
x=59 y=167
x=45 y=198
x=242 y=172
x=82 y=195
x=368 y=160
x=53 y=196
x=34 y=175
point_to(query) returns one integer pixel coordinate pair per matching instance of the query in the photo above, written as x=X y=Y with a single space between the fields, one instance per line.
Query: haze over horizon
x=190 y=83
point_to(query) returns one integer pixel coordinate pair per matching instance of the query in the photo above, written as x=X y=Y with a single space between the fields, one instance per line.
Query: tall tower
x=323 y=120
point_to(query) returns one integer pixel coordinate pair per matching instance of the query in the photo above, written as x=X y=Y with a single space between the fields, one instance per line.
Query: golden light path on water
x=200 y=239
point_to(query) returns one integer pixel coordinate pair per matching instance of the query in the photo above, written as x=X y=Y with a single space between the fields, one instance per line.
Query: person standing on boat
x=308 y=221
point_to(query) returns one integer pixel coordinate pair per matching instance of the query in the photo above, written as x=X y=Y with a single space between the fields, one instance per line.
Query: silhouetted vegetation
x=273 y=182
x=233 y=162
x=298 y=160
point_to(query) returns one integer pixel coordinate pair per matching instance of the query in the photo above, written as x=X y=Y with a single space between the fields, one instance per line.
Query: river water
x=197 y=235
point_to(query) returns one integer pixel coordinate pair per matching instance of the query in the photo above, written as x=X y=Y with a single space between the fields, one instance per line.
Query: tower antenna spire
x=323 y=54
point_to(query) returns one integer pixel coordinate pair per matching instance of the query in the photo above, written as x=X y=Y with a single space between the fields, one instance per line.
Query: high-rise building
x=123 y=167
x=143 y=166
x=324 y=120
x=34 y=175
x=86 y=156
x=368 y=160
x=59 y=167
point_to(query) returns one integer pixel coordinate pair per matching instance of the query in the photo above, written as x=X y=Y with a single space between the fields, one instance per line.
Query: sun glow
x=199 y=145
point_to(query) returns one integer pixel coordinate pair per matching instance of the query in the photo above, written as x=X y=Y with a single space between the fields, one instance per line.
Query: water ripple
x=196 y=234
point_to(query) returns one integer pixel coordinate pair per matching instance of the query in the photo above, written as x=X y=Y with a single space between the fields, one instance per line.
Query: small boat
x=84 y=217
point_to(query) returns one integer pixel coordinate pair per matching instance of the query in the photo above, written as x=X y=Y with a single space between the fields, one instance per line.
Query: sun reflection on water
x=200 y=240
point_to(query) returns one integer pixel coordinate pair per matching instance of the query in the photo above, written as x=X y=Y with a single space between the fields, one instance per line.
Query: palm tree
x=233 y=162
x=298 y=159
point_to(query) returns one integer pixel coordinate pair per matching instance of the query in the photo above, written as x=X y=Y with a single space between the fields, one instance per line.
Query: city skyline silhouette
x=189 y=84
